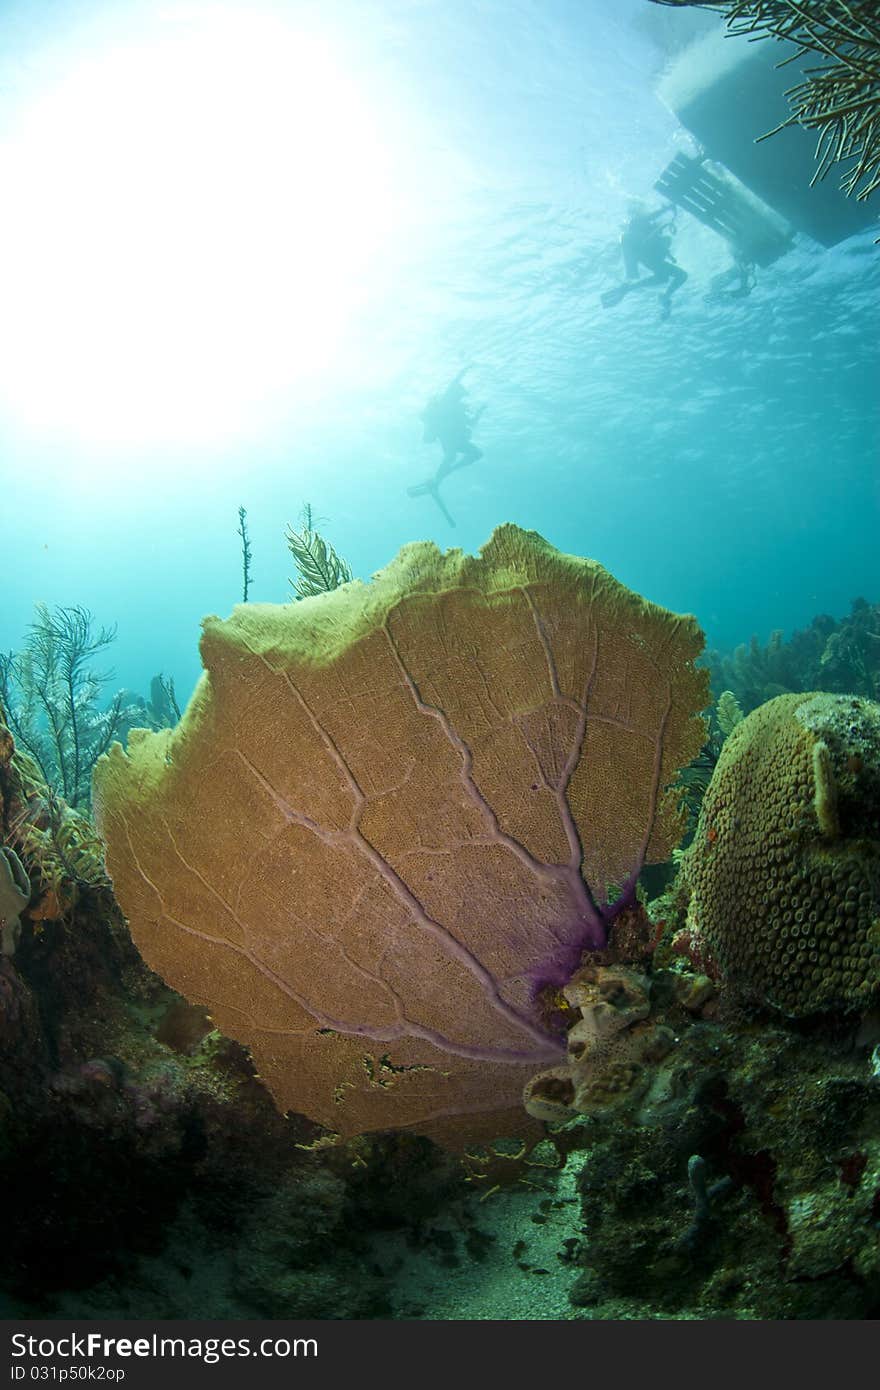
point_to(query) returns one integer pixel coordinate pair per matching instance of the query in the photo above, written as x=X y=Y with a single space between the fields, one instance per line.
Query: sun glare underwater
x=440 y=659
x=198 y=203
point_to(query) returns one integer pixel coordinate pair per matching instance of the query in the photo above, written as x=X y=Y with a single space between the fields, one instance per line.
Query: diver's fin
x=612 y=297
x=430 y=489
x=442 y=505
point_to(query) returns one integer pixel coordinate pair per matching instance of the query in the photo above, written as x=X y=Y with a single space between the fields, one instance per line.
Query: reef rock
x=394 y=817
x=15 y=892
x=744 y=1183
x=784 y=869
x=611 y=1046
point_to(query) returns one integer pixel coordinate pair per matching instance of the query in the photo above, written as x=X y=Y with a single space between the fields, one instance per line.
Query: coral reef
x=840 y=656
x=149 y=1172
x=395 y=815
x=727 y=1158
x=784 y=868
x=732 y=1162
x=725 y=1083
x=743 y=1181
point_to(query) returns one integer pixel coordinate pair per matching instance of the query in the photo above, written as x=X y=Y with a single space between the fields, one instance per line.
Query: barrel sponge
x=394 y=816
x=784 y=869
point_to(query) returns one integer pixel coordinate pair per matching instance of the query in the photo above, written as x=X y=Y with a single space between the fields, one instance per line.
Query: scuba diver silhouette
x=645 y=241
x=737 y=282
x=448 y=422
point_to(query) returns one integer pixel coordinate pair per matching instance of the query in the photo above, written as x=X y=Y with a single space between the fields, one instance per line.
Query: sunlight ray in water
x=184 y=245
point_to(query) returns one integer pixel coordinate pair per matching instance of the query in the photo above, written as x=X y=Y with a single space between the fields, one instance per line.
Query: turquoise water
x=722 y=462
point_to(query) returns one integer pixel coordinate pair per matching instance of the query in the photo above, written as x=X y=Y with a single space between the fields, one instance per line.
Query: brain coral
x=784 y=870
x=392 y=814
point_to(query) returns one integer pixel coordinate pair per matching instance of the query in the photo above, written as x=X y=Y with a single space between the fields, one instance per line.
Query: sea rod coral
x=49 y=692
x=395 y=815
